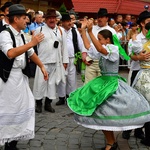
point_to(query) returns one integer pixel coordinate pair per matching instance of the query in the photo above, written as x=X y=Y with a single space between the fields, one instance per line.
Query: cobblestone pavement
x=58 y=131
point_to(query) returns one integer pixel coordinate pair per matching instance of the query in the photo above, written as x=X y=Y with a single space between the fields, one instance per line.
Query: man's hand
x=45 y=74
x=65 y=65
x=143 y=56
x=37 y=38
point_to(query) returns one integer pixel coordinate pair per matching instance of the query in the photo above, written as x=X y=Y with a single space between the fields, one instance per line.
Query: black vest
x=2 y=27
x=6 y=63
x=75 y=40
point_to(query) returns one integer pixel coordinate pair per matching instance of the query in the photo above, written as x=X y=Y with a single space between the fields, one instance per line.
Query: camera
x=146 y=7
x=56 y=43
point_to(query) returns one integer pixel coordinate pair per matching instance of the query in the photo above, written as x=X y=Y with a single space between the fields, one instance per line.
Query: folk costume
x=17 y=110
x=53 y=57
x=108 y=102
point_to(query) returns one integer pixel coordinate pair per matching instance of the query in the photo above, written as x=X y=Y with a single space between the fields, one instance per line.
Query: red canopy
x=133 y=7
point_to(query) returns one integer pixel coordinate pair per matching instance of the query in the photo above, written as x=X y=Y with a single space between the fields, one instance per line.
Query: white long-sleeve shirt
x=46 y=51
x=6 y=44
x=70 y=46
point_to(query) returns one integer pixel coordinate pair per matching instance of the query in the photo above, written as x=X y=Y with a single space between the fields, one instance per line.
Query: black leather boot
x=61 y=101
x=48 y=106
x=138 y=133
x=11 y=145
x=38 y=108
x=146 y=140
x=67 y=96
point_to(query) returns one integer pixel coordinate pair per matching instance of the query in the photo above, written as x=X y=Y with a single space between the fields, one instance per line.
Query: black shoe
x=11 y=146
x=138 y=133
x=113 y=147
x=48 y=106
x=139 y=136
x=126 y=135
x=146 y=142
x=38 y=108
x=61 y=101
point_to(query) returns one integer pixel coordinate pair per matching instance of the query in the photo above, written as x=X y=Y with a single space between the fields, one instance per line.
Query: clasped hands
x=87 y=24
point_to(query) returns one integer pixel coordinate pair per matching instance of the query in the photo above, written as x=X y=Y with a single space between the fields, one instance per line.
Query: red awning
x=133 y=7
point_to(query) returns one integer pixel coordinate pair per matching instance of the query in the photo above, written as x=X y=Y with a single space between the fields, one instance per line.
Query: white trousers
x=64 y=89
x=42 y=88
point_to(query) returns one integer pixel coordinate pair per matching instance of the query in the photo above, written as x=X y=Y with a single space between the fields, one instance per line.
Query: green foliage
x=63 y=9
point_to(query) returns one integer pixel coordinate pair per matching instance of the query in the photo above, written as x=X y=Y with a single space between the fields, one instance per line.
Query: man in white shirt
x=92 y=68
x=17 y=109
x=64 y=89
x=54 y=55
x=137 y=42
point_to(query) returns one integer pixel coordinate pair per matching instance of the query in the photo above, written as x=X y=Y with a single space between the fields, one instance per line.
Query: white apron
x=17 y=110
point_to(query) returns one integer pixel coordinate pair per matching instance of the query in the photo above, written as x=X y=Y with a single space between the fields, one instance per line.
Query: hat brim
x=14 y=14
x=103 y=15
x=140 y=20
x=47 y=16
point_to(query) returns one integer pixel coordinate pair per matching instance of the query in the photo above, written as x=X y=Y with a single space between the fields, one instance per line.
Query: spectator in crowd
x=140 y=51
x=128 y=20
x=31 y=12
x=111 y=22
x=4 y=23
x=118 y=32
x=133 y=30
x=53 y=53
x=85 y=18
x=17 y=109
x=119 y=19
x=95 y=21
x=73 y=19
x=58 y=18
x=133 y=19
x=92 y=69
x=74 y=45
x=38 y=22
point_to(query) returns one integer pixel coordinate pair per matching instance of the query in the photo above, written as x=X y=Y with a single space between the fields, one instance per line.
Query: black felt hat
x=17 y=9
x=102 y=12
x=7 y=4
x=143 y=15
x=65 y=17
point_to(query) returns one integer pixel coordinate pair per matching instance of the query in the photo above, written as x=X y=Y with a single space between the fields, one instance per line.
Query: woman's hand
x=84 y=24
x=89 y=25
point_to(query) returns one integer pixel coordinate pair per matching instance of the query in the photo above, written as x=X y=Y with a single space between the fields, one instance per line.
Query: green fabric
x=83 y=71
x=148 y=35
x=85 y=100
x=121 y=50
x=77 y=57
